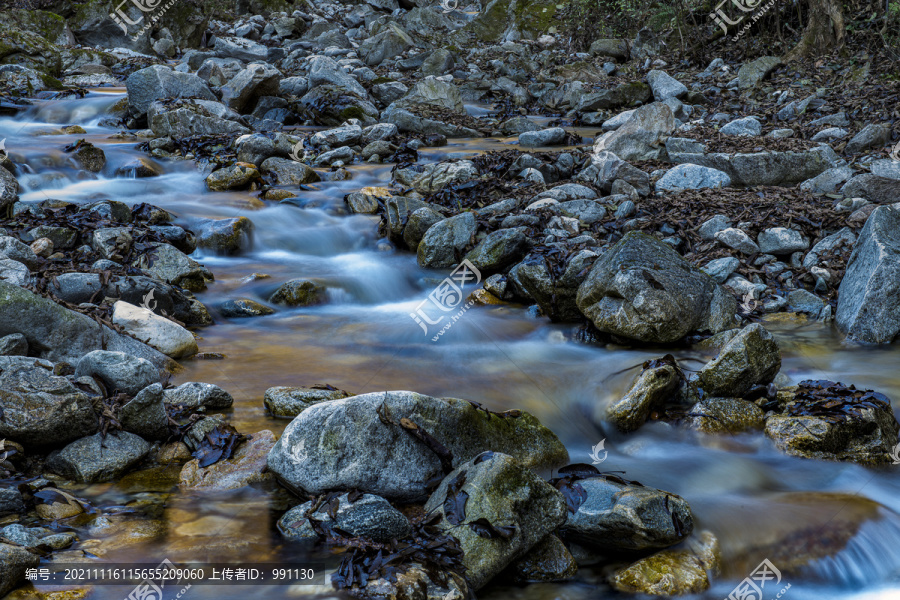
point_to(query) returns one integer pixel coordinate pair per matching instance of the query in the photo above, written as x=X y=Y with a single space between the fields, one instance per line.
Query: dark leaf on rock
x=485 y=529
x=455 y=502
x=218 y=444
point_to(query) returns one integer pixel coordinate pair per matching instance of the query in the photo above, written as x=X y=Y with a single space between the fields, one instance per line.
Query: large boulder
x=324 y=71
x=651 y=389
x=672 y=572
x=158 y=82
x=40 y=408
x=498 y=510
x=433 y=92
x=384 y=45
x=754 y=71
x=369 y=515
x=642 y=289
x=175 y=267
x=56 y=333
x=352 y=443
x=556 y=295
x=14 y=562
x=102 y=24
x=332 y=105
x=120 y=372
x=642 y=137
x=288 y=172
x=28 y=49
x=511 y=20
x=246 y=466
x=868 y=307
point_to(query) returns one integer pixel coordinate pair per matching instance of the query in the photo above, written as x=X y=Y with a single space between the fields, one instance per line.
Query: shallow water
x=364 y=340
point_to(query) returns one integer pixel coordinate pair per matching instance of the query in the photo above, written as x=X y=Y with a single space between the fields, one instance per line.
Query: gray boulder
x=868 y=309
x=369 y=516
x=245 y=88
x=781 y=240
x=96 y=458
x=40 y=408
x=195 y=394
x=642 y=289
x=751 y=358
x=14 y=562
x=145 y=415
x=692 y=177
x=158 y=82
x=642 y=137
x=13 y=344
x=56 y=333
x=543 y=137
x=665 y=86
x=764 y=168
x=120 y=372
x=241 y=49
x=498 y=250
x=879 y=190
x=444 y=241
x=751 y=73
x=555 y=295
x=650 y=390
x=507 y=495
x=620 y=516
x=173 y=266
x=289 y=172
x=747 y=126
x=387 y=44
x=324 y=71
x=352 y=443
x=193 y=117
x=283 y=401
x=871 y=136
x=828 y=181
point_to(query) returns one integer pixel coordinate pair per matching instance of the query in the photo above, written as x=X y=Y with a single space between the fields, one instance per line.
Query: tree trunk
x=824 y=30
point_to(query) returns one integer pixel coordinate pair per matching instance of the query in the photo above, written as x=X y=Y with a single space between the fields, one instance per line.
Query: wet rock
x=14 y=562
x=555 y=296
x=289 y=172
x=56 y=333
x=370 y=516
x=118 y=371
x=642 y=136
x=505 y=494
x=362 y=202
x=9 y=190
x=245 y=88
x=518 y=125
x=90 y=157
x=40 y=408
x=329 y=445
x=13 y=344
x=672 y=572
x=398 y=210
x=499 y=249
x=642 y=289
x=781 y=240
x=11 y=501
x=747 y=126
x=284 y=401
x=194 y=394
x=113 y=243
x=548 y=560
x=145 y=415
x=692 y=177
x=865 y=433
x=230 y=178
x=341 y=136
x=806 y=302
x=158 y=332
x=880 y=190
x=721 y=268
x=621 y=516
x=246 y=466
x=158 y=82
x=751 y=73
x=726 y=415
x=544 y=137
x=299 y=292
x=96 y=458
x=436 y=177
x=175 y=267
x=407 y=121
x=871 y=136
x=243 y=307
x=325 y=71
x=418 y=223
x=415 y=583
x=665 y=86
x=225 y=236
x=751 y=358
x=833 y=243
x=867 y=308
x=650 y=390
x=444 y=241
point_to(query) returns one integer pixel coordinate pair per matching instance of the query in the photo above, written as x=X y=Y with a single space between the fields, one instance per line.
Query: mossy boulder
x=549 y=560
x=186 y=22
x=499 y=491
x=231 y=178
x=354 y=443
x=651 y=389
x=26 y=48
x=512 y=20
x=298 y=292
x=47 y=25
x=332 y=105
x=726 y=415
x=749 y=359
x=93 y=26
x=672 y=572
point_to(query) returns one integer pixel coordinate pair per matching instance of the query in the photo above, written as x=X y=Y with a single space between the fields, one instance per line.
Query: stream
x=363 y=340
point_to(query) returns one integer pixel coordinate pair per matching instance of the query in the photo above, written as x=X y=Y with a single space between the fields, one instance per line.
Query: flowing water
x=364 y=340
